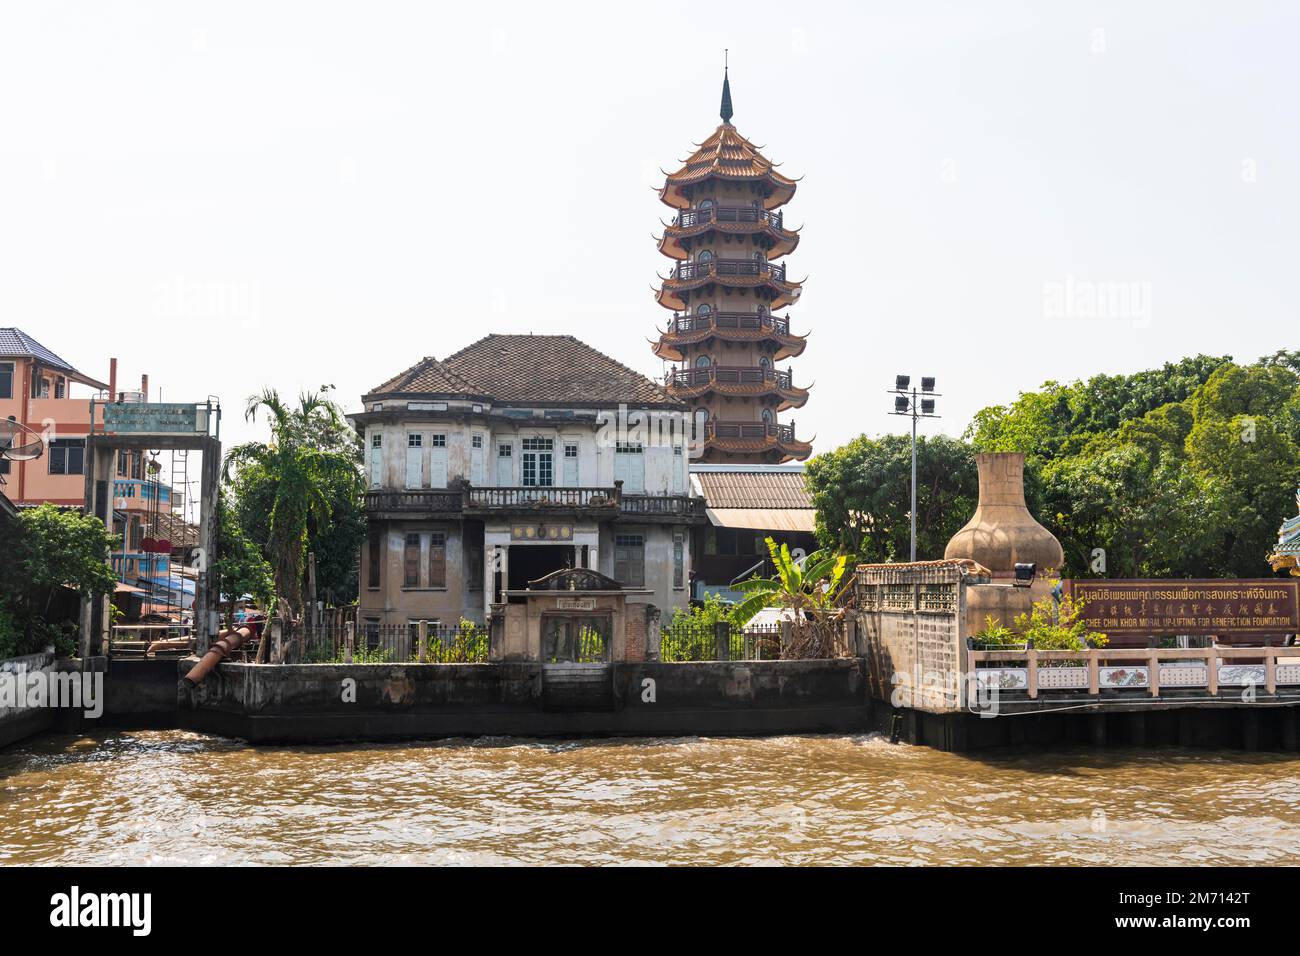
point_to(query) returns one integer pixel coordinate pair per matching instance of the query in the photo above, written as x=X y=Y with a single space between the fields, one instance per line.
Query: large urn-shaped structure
x=1001 y=535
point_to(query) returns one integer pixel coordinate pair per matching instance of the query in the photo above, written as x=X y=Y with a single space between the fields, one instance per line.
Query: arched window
x=768 y=417
x=705 y=255
x=703 y=309
x=764 y=362
x=702 y=361
x=706 y=204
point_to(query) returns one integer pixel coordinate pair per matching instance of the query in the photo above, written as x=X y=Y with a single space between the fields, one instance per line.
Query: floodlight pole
x=913 y=509
x=915 y=410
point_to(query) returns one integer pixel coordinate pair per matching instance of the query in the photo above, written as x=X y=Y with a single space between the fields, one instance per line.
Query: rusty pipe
x=227 y=643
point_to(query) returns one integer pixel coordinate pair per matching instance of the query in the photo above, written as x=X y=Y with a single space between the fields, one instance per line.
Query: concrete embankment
x=17 y=722
x=384 y=701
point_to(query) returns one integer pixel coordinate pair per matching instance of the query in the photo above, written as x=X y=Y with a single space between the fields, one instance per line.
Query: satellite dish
x=29 y=452
x=19 y=443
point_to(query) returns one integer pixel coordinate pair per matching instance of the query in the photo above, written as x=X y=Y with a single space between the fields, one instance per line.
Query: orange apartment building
x=51 y=398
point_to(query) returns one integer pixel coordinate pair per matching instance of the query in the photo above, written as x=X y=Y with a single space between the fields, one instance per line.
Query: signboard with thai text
x=155 y=418
x=1165 y=606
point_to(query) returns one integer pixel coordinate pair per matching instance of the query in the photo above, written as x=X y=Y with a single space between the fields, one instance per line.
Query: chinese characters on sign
x=1194 y=606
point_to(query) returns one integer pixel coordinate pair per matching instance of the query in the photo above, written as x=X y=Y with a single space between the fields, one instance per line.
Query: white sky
x=235 y=194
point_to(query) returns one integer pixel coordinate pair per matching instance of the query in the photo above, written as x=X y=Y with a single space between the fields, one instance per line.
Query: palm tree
x=309 y=448
x=812 y=589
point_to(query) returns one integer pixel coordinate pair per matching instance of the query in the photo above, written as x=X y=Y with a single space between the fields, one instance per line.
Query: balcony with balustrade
x=775 y=440
x=737 y=381
x=728 y=219
x=530 y=500
x=687 y=330
x=757 y=274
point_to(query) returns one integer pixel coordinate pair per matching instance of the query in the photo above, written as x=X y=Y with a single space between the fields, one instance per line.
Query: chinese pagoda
x=725 y=292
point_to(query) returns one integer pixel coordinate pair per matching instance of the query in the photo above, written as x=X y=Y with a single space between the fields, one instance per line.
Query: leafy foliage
x=811 y=589
x=48 y=550
x=862 y=495
x=241 y=567
x=301 y=491
x=1184 y=471
x=1057 y=627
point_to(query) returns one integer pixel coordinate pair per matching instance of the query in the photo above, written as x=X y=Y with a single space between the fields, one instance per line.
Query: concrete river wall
x=321 y=702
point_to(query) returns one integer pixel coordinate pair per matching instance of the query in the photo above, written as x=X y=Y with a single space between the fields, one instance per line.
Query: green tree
x=303 y=484
x=240 y=565
x=862 y=495
x=49 y=550
x=1183 y=471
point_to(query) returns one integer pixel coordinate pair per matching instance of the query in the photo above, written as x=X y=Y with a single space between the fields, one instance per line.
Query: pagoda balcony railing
x=731 y=320
x=783 y=433
x=727 y=213
x=729 y=375
x=715 y=267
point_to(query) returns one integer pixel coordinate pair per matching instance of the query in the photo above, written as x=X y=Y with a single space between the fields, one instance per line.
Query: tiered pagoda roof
x=1287 y=552
x=728 y=155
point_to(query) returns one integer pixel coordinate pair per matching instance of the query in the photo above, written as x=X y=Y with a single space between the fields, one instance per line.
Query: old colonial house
x=513 y=458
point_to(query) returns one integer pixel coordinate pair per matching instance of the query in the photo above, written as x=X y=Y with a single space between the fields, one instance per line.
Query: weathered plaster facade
x=485 y=475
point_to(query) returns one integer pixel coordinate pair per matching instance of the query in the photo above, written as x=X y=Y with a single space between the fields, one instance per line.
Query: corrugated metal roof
x=756 y=488
x=763 y=519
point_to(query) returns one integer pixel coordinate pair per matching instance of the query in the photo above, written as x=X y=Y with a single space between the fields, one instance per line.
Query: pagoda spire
x=726 y=111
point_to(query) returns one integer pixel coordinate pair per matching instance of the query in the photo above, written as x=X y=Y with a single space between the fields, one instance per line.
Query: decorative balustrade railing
x=729 y=375
x=751 y=430
x=529 y=498
x=728 y=213
x=746 y=321
x=682 y=505
x=706 y=268
x=539 y=496
x=1151 y=669
x=423 y=501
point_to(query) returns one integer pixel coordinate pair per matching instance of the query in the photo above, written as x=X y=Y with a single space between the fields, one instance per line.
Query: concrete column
x=1250 y=729
x=1097 y=729
x=1288 y=728
x=1137 y=727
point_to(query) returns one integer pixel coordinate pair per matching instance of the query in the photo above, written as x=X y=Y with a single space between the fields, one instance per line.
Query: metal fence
x=691 y=640
x=443 y=644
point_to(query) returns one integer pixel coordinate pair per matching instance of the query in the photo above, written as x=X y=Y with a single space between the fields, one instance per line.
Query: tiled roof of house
x=541 y=369
x=759 y=488
x=15 y=343
x=428 y=376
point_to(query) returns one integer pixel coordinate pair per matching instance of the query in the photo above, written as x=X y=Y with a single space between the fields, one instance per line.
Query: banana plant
x=811 y=588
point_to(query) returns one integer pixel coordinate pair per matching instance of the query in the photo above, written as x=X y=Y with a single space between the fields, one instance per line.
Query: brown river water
x=171 y=797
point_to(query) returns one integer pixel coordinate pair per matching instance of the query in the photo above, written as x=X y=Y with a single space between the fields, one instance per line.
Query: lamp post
x=907 y=402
